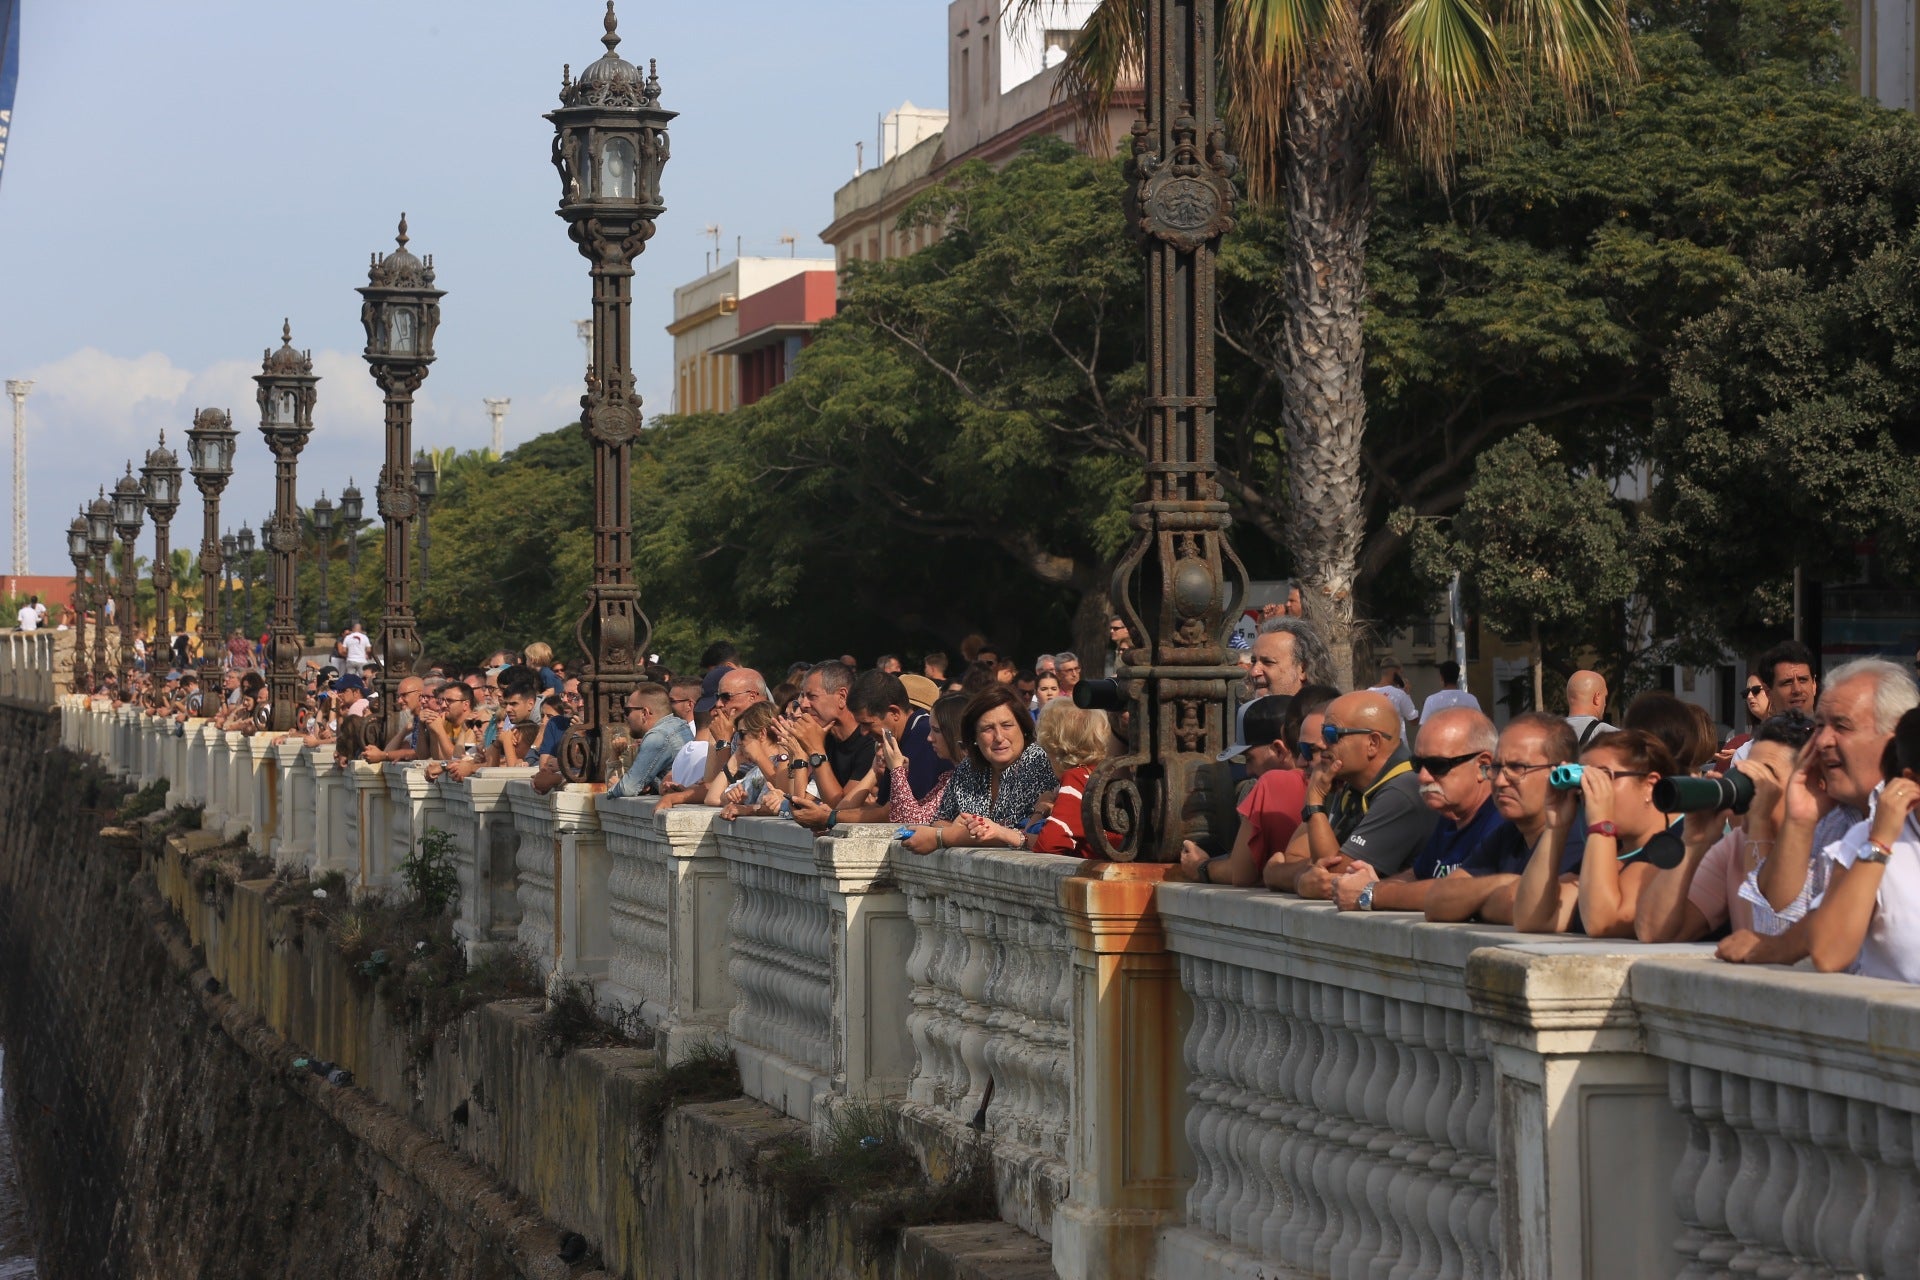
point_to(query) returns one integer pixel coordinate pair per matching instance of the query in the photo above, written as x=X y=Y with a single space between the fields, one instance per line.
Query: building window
x=966 y=80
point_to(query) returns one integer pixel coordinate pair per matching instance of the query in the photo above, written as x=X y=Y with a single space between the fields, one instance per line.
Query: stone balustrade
x=1172 y=1080
x=991 y=973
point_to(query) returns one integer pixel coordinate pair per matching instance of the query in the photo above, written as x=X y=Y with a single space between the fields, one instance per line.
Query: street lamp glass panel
x=280 y=408
x=160 y=489
x=323 y=515
x=230 y=545
x=100 y=524
x=77 y=539
x=127 y=505
x=426 y=477
x=616 y=169
x=246 y=540
x=350 y=505
x=201 y=449
x=401 y=327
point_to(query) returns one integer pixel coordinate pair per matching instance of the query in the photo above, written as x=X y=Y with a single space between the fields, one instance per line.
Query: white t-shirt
x=1398 y=697
x=1445 y=700
x=690 y=764
x=29 y=618
x=357 y=646
x=1891 y=948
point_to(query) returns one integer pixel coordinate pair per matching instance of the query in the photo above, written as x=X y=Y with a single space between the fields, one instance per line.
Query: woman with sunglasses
x=1616 y=792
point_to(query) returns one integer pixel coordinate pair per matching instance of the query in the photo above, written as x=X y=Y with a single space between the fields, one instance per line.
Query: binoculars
x=1730 y=792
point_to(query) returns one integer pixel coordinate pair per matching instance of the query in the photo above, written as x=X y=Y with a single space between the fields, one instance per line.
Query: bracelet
x=1876 y=852
x=939 y=837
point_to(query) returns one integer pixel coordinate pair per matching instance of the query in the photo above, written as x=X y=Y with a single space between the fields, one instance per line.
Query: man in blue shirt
x=660 y=733
x=1482 y=884
x=1452 y=758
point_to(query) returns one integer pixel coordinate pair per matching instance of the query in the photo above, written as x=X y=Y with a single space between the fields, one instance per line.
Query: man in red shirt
x=1270 y=812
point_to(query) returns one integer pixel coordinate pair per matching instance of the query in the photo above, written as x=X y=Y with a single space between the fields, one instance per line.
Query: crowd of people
x=1796 y=840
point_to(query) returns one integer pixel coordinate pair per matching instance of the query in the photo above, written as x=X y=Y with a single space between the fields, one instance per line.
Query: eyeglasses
x=1617 y=774
x=1440 y=766
x=1755 y=690
x=1306 y=750
x=1331 y=733
x=728 y=697
x=1498 y=767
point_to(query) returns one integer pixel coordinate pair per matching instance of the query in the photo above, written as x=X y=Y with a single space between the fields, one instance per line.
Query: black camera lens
x=1716 y=793
x=1099 y=695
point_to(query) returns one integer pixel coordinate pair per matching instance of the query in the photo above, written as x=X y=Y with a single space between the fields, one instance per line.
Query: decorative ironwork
x=99 y=543
x=609 y=146
x=129 y=512
x=400 y=310
x=160 y=479
x=1179 y=581
x=210 y=442
x=287 y=393
x=77 y=552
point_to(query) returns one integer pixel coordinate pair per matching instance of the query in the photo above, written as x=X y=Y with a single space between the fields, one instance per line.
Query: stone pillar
x=293 y=832
x=367 y=785
x=334 y=847
x=1130 y=1019
x=1585 y=1133
x=263 y=808
x=584 y=939
x=488 y=917
x=872 y=994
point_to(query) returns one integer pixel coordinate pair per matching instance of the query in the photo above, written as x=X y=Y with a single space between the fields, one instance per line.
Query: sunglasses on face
x=1332 y=733
x=1306 y=751
x=1440 y=766
x=1755 y=690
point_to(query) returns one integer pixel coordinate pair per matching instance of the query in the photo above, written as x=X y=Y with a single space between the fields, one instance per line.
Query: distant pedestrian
x=31 y=614
x=1450 y=693
x=355 y=648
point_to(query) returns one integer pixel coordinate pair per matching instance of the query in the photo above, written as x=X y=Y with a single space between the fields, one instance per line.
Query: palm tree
x=1313 y=88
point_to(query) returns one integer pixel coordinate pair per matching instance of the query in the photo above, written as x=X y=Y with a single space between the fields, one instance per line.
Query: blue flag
x=9 y=69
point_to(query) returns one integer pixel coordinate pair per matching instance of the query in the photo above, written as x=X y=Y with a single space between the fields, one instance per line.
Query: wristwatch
x=815 y=760
x=1603 y=829
x=1365 y=901
x=1308 y=811
x=1874 y=851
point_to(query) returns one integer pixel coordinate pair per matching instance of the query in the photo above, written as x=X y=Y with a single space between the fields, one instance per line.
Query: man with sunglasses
x=1482 y=885
x=1270 y=813
x=1452 y=759
x=1363 y=802
x=659 y=735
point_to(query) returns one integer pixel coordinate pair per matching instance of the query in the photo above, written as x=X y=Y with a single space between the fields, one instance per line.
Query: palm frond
x=1105 y=56
x=1265 y=44
x=1441 y=59
x=1580 y=44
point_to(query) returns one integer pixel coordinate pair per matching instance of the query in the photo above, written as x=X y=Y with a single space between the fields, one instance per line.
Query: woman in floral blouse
x=1001 y=778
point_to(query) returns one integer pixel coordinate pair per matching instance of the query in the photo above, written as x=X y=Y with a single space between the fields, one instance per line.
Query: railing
x=36 y=666
x=1170 y=1080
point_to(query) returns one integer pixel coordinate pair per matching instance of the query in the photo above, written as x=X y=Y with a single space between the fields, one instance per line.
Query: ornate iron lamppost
x=1179 y=581
x=610 y=145
x=229 y=559
x=77 y=552
x=400 y=309
x=210 y=448
x=323 y=535
x=287 y=381
x=99 y=543
x=243 y=565
x=129 y=512
x=426 y=487
x=160 y=476
x=351 y=507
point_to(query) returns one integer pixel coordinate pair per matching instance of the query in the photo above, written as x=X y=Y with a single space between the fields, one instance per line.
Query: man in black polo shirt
x=1363 y=801
x=826 y=744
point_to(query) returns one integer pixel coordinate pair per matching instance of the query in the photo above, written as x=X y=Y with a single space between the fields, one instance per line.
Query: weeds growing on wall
x=575 y=1017
x=429 y=872
x=867 y=1168
x=147 y=800
x=709 y=1073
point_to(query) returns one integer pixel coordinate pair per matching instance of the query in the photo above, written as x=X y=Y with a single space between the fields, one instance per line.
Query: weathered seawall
x=152 y=1020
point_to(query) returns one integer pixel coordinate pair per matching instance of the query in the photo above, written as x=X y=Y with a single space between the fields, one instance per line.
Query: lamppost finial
x=612 y=38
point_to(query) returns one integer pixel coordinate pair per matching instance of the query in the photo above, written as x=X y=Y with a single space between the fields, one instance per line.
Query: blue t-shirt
x=924 y=765
x=1506 y=851
x=1449 y=846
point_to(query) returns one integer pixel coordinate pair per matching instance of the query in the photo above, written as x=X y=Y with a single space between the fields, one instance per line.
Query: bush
x=429 y=872
x=149 y=799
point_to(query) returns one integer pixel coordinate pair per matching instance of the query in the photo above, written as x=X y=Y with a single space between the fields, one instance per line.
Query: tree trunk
x=1329 y=205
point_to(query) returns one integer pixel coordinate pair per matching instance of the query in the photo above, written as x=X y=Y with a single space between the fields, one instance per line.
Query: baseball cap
x=1260 y=720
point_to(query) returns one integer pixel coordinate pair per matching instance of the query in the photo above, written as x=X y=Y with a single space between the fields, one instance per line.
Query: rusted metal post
x=1179 y=580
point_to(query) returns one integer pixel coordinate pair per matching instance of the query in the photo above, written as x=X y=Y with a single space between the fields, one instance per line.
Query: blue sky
x=181 y=176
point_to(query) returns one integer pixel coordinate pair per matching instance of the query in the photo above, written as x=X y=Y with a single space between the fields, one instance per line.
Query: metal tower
x=18 y=389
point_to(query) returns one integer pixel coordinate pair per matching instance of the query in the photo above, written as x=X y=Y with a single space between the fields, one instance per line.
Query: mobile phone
x=904 y=833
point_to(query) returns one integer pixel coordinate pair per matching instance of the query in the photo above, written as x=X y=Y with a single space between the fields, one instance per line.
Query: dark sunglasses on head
x=1440 y=766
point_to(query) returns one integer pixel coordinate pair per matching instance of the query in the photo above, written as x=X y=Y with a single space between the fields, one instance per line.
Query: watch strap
x=1308 y=811
x=1603 y=829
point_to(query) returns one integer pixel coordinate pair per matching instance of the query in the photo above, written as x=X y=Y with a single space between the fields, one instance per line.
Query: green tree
x=1314 y=91
x=1793 y=423
x=1544 y=551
